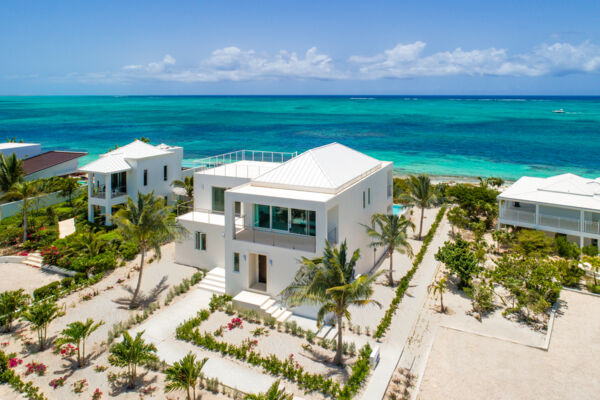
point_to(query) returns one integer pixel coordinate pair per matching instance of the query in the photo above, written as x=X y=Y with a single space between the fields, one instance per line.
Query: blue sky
x=299 y=47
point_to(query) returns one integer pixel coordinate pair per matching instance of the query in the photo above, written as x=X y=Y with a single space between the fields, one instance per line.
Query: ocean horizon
x=446 y=135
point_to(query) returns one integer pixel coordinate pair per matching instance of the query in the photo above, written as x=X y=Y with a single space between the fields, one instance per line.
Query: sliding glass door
x=292 y=220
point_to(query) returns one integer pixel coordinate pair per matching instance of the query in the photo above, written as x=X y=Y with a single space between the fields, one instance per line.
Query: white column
x=580 y=242
x=537 y=214
x=90 y=194
x=108 y=199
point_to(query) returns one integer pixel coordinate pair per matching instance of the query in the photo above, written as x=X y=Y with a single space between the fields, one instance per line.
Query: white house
x=566 y=204
x=257 y=219
x=136 y=167
x=52 y=163
x=22 y=150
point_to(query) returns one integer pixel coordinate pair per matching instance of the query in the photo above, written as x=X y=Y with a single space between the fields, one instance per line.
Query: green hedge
x=51 y=289
x=385 y=322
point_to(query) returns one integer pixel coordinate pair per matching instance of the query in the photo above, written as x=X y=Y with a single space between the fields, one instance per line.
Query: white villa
x=123 y=172
x=256 y=214
x=566 y=204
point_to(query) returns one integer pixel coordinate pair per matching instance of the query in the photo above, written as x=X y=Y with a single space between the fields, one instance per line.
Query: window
x=312 y=215
x=200 y=241
x=238 y=208
x=299 y=221
x=145 y=177
x=261 y=216
x=119 y=182
x=279 y=217
x=369 y=199
x=517 y=204
x=218 y=199
x=364 y=200
x=165 y=173
x=236 y=262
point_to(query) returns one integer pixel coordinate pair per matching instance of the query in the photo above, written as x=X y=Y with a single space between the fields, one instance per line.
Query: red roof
x=49 y=159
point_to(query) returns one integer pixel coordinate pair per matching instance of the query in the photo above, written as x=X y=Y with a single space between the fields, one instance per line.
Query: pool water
x=398 y=209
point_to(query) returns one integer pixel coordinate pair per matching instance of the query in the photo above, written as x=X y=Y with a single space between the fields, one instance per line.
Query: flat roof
x=49 y=159
x=241 y=169
x=282 y=193
x=13 y=145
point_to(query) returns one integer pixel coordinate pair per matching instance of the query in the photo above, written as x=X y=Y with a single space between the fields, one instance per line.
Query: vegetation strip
x=288 y=368
x=8 y=376
x=385 y=322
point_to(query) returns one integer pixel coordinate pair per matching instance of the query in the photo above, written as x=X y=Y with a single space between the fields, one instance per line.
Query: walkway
x=66 y=227
x=404 y=319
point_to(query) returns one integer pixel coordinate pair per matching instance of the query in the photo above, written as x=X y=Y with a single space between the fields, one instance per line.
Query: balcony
x=100 y=193
x=569 y=224
x=525 y=217
x=591 y=227
x=248 y=233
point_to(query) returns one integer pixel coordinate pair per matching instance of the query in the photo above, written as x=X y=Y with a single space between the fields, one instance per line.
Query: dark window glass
x=312 y=223
x=299 y=222
x=236 y=262
x=261 y=216
x=218 y=199
x=145 y=177
x=165 y=173
x=280 y=218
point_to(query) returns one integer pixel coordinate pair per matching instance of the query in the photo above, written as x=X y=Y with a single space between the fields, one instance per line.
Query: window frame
x=236 y=261
x=165 y=173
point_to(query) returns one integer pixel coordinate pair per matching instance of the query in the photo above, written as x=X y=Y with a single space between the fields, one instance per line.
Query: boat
x=559 y=111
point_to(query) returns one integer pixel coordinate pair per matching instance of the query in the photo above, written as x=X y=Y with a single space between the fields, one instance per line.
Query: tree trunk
x=442 y=301
x=338 y=353
x=391 y=276
x=421 y=224
x=82 y=353
x=24 y=220
x=139 y=283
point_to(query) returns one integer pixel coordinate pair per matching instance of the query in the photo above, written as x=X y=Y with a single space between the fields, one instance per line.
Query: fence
x=44 y=200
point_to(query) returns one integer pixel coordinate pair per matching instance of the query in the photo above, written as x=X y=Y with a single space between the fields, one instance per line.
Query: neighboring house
x=22 y=150
x=257 y=219
x=564 y=204
x=122 y=173
x=52 y=163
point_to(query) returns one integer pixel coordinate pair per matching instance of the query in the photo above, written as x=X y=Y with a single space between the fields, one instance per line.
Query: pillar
x=108 y=213
x=107 y=199
x=580 y=242
x=90 y=194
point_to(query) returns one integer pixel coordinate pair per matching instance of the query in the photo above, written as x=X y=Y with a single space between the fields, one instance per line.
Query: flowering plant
x=4 y=344
x=97 y=394
x=24 y=253
x=100 y=368
x=58 y=382
x=250 y=343
x=235 y=323
x=38 y=368
x=120 y=280
x=13 y=362
x=50 y=255
x=68 y=350
x=79 y=386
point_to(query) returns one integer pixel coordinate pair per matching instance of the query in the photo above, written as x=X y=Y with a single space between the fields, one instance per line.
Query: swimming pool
x=398 y=209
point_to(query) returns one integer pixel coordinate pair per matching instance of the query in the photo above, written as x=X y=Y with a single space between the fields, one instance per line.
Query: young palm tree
x=328 y=282
x=23 y=191
x=130 y=353
x=439 y=287
x=76 y=333
x=90 y=242
x=392 y=235
x=67 y=187
x=184 y=375
x=187 y=184
x=272 y=394
x=11 y=303
x=148 y=223
x=11 y=171
x=421 y=193
x=40 y=315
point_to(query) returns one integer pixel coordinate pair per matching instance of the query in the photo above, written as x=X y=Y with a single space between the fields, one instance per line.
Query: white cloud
x=153 y=67
x=407 y=60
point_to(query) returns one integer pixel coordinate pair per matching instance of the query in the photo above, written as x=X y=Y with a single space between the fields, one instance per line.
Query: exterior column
x=499 y=209
x=580 y=242
x=107 y=199
x=90 y=194
x=537 y=214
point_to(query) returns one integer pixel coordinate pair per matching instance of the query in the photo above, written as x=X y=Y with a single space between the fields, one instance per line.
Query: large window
x=119 y=182
x=218 y=199
x=299 y=222
x=261 y=216
x=280 y=218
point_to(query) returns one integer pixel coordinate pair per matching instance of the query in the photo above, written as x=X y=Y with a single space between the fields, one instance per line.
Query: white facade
x=22 y=150
x=136 y=167
x=273 y=219
x=566 y=204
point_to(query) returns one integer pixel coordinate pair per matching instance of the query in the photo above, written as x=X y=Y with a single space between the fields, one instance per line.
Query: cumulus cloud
x=409 y=60
x=153 y=67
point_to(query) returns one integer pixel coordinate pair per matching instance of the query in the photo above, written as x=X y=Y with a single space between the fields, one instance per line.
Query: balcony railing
x=526 y=217
x=248 y=233
x=100 y=193
x=591 y=227
x=552 y=221
x=209 y=164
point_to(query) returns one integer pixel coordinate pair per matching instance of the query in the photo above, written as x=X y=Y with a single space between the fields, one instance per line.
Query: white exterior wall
x=187 y=254
x=65 y=168
x=203 y=184
x=22 y=150
x=156 y=182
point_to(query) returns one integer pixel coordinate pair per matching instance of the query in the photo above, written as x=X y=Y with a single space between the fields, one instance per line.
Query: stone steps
x=34 y=260
x=214 y=281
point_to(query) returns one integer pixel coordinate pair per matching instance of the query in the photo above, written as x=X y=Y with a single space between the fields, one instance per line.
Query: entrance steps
x=34 y=260
x=263 y=304
x=214 y=281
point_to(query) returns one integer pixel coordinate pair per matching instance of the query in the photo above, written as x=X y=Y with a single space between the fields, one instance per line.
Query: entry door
x=262 y=268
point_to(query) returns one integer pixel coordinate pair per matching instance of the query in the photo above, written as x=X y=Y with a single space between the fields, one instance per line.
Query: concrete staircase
x=34 y=260
x=214 y=281
x=263 y=304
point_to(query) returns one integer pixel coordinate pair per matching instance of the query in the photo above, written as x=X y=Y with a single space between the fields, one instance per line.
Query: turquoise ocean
x=449 y=135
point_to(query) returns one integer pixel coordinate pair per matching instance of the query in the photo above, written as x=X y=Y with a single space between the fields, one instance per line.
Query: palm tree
x=420 y=193
x=40 y=315
x=328 y=281
x=392 y=235
x=11 y=171
x=130 y=353
x=184 y=375
x=272 y=394
x=11 y=303
x=23 y=191
x=439 y=287
x=67 y=187
x=92 y=243
x=187 y=184
x=147 y=223
x=76 y=333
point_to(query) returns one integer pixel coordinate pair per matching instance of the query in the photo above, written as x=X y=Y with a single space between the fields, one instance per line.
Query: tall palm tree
x=40 y=315
x=130 y=353
x=76 y=333
x=23 y=191
x=274 y=393
x=328 y=282
x=187 y=184
x=11 y=171
x=392 y=235
x=420 y=193
x=184 y=375
x=439 y=287
x=147 y=223
x=11 y=303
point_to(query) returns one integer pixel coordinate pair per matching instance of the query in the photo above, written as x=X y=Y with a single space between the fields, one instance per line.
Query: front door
x=262 y=268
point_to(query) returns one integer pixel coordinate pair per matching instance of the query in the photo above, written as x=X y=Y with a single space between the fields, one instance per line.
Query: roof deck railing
x=241 y=155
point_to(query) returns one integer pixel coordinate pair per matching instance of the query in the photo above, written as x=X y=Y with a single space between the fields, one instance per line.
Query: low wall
x=57 y=270
x=44 y=200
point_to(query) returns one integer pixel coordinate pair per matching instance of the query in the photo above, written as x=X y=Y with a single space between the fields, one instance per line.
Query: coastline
x=451 y=178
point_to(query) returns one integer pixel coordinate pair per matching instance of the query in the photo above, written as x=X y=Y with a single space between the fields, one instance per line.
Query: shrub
x=67 y=282
x=533 y=243
x=128 y=250
x=80 y=277
x=102 y=262
x=51 y=289
x=590 y=250
x=566 y=249
x=593 y=288
x=482 y=296
x=10 y=235
x=460 y=260
x=569 y=272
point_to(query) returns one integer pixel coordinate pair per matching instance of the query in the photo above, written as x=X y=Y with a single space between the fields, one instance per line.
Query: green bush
x=80 y=277
x=64 y=212
x=128 y=250
x=101 y=262
x=48 y=290
x=10 y=377
x=10 y=235
x=590 y=250
x=593 y=288
x=566 y=249
x=67 y=282
x=569 y=272
x=460 y=260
